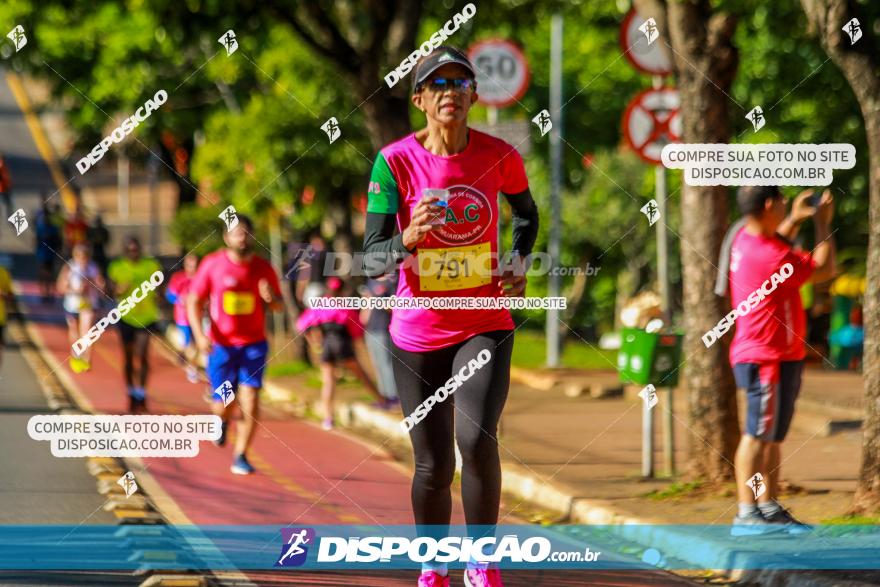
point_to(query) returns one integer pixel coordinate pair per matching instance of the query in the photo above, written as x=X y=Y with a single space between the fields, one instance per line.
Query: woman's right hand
x=419 y=226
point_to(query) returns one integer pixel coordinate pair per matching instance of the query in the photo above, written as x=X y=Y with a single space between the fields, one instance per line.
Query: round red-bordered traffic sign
x=652 y=58
x=502 y=71
x=651 y=120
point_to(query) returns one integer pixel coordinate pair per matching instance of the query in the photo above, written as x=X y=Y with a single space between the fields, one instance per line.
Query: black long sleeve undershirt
x=383 y=249
x=525 y=222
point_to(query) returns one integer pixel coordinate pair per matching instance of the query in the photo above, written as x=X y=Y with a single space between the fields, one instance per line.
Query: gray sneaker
x=788 y=522
x=753 y=524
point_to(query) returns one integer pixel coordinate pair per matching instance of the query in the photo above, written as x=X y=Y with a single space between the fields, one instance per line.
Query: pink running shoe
x=483 y=578
x=432 y=579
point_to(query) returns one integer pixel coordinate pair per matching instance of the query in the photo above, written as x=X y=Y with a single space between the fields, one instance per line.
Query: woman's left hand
x=512 y=284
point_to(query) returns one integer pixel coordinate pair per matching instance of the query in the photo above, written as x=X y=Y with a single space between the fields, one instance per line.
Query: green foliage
x=265 y=155
x=677 y=490
x=531 y=345
x=198 y=229
x=252 y=120
x=805 y=99
x=288 y=368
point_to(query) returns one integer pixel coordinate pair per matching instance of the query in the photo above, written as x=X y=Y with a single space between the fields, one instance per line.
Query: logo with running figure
x=294 y=548
x=19 y=38
x=469 y=215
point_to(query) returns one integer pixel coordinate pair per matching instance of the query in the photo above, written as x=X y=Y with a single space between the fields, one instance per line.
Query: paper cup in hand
x=443 y=194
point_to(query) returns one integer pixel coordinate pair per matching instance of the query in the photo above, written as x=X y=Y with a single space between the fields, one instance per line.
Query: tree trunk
x=705 y=61
x=387 y=118
x=860 y=65
x=364 y=55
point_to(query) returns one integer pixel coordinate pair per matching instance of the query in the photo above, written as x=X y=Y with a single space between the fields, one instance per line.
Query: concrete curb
x=532 y=378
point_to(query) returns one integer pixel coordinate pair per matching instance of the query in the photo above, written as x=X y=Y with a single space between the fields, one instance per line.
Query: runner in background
x=377 y=322
x=75 y=230
x=431 y=346
x=768 y=347
x=135 y=328
x=333 y=331
x=81 y=285
x=176 y=293
x=98 y=237
x=48 y=245
x=5 y=188
x=312 y=272
x=5 y=302
x=239 y=286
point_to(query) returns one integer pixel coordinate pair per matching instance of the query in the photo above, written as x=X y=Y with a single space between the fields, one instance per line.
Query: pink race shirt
x=179 y=286
x=774 y=330
x=238 y=315
x=474 y=178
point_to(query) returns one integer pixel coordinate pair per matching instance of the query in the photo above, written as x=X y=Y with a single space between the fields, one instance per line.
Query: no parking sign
x=651 y=121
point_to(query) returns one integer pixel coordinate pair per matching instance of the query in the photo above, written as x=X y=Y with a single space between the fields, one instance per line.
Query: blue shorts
x=771 y=391
x=237 y=364
x=186 y=332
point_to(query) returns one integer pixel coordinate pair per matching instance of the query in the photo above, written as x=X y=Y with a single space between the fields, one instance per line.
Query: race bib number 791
x=455 y=268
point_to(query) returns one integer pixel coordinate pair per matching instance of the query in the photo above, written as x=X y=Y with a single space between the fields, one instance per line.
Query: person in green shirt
x=135 y=328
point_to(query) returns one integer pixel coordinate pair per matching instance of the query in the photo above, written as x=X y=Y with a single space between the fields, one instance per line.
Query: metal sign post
x=647 y=441
x=553 y=340
x=651 y=121
x=663 y=281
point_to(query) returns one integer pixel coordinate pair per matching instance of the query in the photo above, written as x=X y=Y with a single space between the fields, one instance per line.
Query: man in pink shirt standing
x=768 y=348
x=239 y=287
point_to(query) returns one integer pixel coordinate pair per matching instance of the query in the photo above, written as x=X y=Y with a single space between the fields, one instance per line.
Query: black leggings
x=479 y=402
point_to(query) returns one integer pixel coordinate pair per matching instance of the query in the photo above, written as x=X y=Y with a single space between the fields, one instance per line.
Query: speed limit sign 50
x=502 y=72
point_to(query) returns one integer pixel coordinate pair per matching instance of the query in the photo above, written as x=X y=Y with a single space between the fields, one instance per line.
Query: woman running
x=434 y=349
x=333 y=331
x=81 y=284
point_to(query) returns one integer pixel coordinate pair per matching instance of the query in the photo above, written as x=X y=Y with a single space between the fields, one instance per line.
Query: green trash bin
x=649 y=357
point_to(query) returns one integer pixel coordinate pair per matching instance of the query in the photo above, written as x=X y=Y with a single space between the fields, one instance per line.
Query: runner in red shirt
x=5 y=187
x=767 y=351
x=76 y=230
x=238 y=286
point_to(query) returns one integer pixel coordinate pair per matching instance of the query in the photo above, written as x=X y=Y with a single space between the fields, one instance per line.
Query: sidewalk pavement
x=305 y=475
x=582 y=457
x=829 y=401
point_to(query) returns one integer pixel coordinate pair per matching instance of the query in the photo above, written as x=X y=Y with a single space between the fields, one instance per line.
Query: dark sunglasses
x=441 y=84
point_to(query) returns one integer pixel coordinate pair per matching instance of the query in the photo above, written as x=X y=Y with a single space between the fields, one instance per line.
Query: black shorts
x=771 y=391
x=336 y=344
x=2 y=326
x=128 y=332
